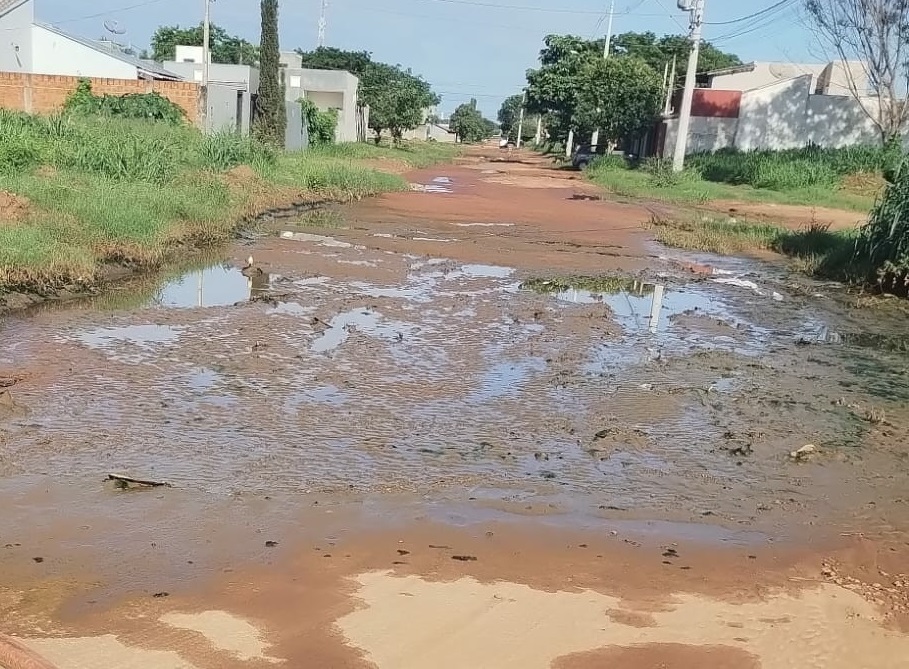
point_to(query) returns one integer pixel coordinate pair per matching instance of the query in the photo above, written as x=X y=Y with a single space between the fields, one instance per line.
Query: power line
x=109 y=12
x=759 y=14
x=530 y=8
x=768 y=21
x=672 y=16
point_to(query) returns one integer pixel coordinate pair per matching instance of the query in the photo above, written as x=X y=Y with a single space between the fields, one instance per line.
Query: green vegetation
x=576 y=89
x=469 y=125
x=271 y=120
x=93 y=190
x=321 y=125
x=810 y=176
x=397 y=98
x=606 y=284
x=150 y=106
x=509 y=118
x=225 y=48
x=883 y=245
x=414 y=154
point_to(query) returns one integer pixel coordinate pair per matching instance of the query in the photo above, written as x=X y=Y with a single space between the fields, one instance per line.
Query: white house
x=30 y=47
x=777 y=106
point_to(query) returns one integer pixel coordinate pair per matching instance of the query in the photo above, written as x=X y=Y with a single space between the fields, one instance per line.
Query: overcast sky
x=465 y=48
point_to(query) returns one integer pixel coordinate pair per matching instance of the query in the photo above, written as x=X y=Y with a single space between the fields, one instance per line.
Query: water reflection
x=216 y=286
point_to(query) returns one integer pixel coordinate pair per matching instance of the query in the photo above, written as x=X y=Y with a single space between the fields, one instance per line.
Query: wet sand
x=387 y=451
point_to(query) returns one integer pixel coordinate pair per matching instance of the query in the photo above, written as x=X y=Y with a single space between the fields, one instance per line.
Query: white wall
x=774 y=117
x=328 y=89
x=836 y=121
x=55 y=54
x=706 y=134
x=767 y=74
x=16 y=39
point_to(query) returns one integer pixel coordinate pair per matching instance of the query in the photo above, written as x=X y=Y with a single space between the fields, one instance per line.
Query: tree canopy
x=622 y=97
x=509 y=117
x=658 y=51
x=469 y=125
x=397 y=98
x=561 y=88
x=271 y=122
x=225 y=48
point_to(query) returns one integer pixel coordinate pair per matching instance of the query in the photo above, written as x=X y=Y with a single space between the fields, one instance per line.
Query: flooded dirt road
x=486 y=423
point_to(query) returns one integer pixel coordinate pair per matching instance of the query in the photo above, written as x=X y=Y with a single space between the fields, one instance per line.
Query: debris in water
x=464 y=558
x=125 y=482
x=39 y=560
x=271 y=544
x=804 y=453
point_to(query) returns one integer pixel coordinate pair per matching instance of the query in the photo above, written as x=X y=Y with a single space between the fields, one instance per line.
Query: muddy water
x=342 y=367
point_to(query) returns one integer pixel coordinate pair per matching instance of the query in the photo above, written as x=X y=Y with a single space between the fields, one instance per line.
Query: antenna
x=114 y=27
x=323 y=22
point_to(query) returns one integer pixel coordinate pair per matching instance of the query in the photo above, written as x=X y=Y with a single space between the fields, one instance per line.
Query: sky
x=465 y=48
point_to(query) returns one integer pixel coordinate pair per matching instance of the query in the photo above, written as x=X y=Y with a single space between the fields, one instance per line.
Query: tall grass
x=883 y=245
x=105 y=189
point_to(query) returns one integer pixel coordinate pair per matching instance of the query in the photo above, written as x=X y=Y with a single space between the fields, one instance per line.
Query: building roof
x=7 y=6
x=146 y=69
x=735 y=69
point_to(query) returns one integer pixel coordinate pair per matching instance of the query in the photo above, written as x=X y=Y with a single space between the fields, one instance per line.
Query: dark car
x=585 y=153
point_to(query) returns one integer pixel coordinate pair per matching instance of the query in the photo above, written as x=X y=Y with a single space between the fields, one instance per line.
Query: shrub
x=148 y=106
x=320 y=124
x=882 y=247
x=610 y=161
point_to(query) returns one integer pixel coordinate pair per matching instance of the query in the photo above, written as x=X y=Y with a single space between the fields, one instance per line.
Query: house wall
x=766 y=74
x=430 y=131
x=16 y=39
x=774 y=117
x=705 y=134
x=44 y=94
x=328 y=89
x=296 y=134
x=238 y=76
x=222 y=109
x=836 y=121
x=54 y=54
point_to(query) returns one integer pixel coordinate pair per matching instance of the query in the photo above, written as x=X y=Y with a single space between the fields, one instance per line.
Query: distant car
x=585 y=153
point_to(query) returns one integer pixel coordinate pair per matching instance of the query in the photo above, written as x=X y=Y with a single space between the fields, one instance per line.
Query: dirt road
x=486 y=423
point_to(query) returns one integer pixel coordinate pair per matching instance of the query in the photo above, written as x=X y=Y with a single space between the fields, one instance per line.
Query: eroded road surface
x=486 y=423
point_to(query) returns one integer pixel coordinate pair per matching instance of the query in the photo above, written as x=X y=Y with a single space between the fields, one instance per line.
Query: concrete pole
x=206 y=56
x=569 y=145
x=670 y=88
x=521 y=120
x=596 y=133
x=539 y=136
x=681 y=140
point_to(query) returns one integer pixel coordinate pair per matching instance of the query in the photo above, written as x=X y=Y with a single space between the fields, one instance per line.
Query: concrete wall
x=706 y=134
x=766 y=74
x=773 y=117
x=328 y=89
x=836 y=121
x=296 y=136
x=44 y=94
x=238 y=76
x=53 y=53
x=16 y=39
x=190 y=54
x=431 y=131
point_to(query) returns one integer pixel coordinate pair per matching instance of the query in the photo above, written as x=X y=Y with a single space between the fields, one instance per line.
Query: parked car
x=585 y=153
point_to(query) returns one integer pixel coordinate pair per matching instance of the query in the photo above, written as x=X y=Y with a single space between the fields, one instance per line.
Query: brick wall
x=44 y=93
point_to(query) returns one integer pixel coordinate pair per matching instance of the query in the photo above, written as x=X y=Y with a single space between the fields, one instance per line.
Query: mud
x=372 y=424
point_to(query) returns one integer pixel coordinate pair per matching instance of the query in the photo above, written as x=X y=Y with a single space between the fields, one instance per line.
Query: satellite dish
x=114 y=27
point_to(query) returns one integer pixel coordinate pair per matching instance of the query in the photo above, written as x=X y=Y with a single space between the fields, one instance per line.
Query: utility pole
x=323 y=22
x=206 y=56
x=596 y=133
x=695 y=8
x=521 y=121
x=539 y=136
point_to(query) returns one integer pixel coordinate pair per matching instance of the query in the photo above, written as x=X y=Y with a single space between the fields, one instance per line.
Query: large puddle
x=373 y=371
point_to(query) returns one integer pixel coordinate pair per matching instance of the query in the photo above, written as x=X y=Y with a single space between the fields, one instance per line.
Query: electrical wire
x=768 y=21
x=530 y=8
x=767 y=10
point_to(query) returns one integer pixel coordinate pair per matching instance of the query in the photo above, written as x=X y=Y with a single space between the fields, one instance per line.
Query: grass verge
x=690 y=188
x=94 y=191
x=817 y=250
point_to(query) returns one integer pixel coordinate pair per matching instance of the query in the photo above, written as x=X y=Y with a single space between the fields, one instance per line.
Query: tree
x=468 y=123
x=271 y=121
x=658 y=52
x=621 y=96
x=397 y=99
x=553 y=88
x=225 y=48
x=874 y=34
x=509 y=117
x=331 y=58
